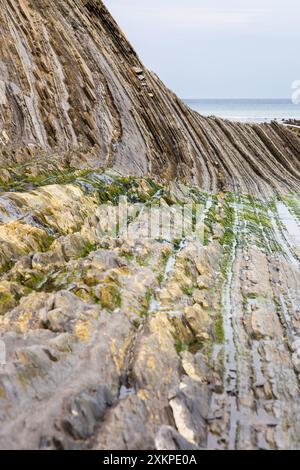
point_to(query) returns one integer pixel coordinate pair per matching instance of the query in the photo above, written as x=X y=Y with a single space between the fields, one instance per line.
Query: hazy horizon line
x=237 y=99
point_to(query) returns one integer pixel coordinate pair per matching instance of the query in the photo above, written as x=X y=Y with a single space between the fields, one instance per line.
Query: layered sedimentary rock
x=131 y=342
x=110 y=338
x=70 y=83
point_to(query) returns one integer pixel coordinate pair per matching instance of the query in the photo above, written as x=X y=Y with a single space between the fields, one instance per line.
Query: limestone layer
x=135 y=343
x=71 y=84
x=121 y=340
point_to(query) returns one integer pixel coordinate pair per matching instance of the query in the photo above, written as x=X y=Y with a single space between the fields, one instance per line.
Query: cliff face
x=71 y=85
x=130 y=341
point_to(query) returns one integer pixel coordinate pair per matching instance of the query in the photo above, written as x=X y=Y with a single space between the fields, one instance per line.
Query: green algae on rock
x=116 y=339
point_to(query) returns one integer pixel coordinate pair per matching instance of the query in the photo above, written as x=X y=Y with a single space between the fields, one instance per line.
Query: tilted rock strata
x=70 y=83
x=128 y=342
x=134 y=343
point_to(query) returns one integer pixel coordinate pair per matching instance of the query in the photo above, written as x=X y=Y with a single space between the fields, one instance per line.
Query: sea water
x=247 y=110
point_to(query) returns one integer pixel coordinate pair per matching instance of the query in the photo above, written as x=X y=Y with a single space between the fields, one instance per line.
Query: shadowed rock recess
x=132 y=342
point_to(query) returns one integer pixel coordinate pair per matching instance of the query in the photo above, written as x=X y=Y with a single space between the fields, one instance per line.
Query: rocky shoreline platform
x=111 y=338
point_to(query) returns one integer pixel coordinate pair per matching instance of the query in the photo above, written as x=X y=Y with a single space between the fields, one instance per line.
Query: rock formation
x=72 y=85
x=130 y=342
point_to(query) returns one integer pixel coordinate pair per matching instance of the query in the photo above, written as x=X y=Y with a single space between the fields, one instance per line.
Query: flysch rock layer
x=70 y=83
x=131 y=341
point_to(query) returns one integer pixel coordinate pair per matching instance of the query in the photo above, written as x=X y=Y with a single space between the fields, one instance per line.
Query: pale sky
x=216 y=48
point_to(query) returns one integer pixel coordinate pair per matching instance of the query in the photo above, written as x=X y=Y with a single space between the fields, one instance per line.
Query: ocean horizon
x=246 y=109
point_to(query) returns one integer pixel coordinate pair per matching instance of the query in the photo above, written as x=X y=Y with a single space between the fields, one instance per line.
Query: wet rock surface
x=112 y=338
x=131 y=342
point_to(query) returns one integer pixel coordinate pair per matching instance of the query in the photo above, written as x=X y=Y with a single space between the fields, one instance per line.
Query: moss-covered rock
x=109 y=296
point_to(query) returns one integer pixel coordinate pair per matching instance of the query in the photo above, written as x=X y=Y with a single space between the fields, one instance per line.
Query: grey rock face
x=119 y=341
x=83 y=99
x=168 y=438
